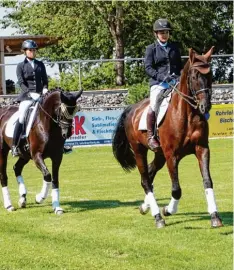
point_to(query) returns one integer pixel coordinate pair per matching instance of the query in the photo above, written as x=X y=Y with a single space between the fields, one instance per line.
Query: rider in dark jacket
x=162 y=64
x=33 y=81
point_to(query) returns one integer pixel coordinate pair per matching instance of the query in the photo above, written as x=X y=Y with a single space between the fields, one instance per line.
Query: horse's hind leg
x=4 y=179
x=203 y=156
x=141 y=161
x=153 y=167
x=18 y=167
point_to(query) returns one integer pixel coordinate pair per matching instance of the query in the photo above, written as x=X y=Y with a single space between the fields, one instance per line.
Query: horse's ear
x=63 y=97
x=208 y=54
x=191 y=55
x=79 y=94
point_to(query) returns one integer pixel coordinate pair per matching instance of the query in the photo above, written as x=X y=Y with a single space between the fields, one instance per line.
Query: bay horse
x=51 y=127
x=184 y=131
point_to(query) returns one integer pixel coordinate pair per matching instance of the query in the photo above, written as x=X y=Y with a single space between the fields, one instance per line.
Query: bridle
x=197 y=67
x=62 y=113
x=189 y=99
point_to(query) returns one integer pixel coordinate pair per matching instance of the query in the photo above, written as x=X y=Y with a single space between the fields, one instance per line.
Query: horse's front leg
x=55 y=184
x=40 y=197
x=4 y=179
x=203 y=156
x=146 y=182
x=18 y=167
x=172 y=165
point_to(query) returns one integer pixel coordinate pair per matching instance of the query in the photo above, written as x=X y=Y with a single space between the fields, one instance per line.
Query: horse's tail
x=120 y=144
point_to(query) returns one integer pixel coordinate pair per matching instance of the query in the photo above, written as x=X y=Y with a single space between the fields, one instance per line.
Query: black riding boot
x=16 y=137
x=153 y=143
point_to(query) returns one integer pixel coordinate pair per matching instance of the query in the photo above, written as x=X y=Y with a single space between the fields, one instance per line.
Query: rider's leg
x=155 y=93
x=158 y=102
x=23 y=107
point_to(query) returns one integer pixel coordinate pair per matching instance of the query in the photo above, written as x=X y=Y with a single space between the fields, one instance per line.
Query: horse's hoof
x=39 y=199
x=216 y=221
x=160 y=222
x=143 y=209
x=22 y=202
x=58 y=211
x=10 y=208
x=165 y=213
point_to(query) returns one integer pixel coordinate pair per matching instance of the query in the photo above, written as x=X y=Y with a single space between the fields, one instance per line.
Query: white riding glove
x=44 y=91
x=34 y=96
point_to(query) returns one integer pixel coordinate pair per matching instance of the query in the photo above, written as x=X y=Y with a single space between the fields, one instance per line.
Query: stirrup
x=14 y=151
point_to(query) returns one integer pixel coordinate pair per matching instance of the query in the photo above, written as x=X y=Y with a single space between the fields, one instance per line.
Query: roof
x=12 y=44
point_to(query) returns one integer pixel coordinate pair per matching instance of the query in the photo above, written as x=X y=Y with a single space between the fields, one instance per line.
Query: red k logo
x=77 y=125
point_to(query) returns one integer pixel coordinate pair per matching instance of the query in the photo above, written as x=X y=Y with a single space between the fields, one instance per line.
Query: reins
x=185 y=97
x=64 y=112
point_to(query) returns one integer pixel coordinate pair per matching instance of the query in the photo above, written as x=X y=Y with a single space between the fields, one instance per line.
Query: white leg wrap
x=44 y=192
x=6 y=197
x=45 y=189
x=145 y=205
x=55 y=198
x=153 y=204
x=172 y=206
x=210 y=200
x=22 y=188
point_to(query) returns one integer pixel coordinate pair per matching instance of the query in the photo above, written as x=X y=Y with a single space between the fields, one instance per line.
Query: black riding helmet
x=29 y=44
x=161 y=24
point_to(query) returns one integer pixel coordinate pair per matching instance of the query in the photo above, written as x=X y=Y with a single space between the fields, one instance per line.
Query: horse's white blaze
x=55 y=198
x=22 y=187
x=211 y=200
x=172 y=206
x=6 y=197
x=153 y=204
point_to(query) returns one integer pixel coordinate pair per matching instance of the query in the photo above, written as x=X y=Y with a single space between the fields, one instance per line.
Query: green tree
x=118 y=29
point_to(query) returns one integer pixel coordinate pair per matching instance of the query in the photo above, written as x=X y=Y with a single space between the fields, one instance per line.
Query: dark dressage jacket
x=31 y=79
x=161 y=61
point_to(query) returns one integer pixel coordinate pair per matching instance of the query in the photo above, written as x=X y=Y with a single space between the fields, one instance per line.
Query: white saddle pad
x=9 y=131
x=162 y=112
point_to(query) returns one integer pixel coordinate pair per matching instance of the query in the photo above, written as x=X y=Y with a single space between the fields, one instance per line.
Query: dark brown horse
x=51 y=127
x=184 y=131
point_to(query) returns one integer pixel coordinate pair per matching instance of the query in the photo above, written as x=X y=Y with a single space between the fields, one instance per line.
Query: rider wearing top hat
x=162 y=64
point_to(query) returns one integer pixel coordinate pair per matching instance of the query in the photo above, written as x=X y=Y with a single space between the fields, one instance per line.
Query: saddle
x=162 y=111
x=27 y=125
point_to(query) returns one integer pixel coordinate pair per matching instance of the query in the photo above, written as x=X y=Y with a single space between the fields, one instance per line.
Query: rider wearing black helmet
x=162 y=64
x=33 y=81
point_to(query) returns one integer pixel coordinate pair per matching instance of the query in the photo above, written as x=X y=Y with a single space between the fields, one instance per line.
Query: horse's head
x=200 y=79
x=67 y=110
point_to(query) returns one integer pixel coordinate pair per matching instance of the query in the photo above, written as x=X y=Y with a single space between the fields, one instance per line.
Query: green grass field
x=102 y=228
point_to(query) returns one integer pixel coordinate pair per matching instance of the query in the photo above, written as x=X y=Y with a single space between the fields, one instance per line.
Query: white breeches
x=155 y=90
x=23 y=107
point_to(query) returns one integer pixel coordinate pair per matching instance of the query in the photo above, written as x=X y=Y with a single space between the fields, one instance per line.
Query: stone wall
x=110 y=99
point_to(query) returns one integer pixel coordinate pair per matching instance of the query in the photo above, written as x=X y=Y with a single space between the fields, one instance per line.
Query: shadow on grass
x=103 y=204
x=227 y=217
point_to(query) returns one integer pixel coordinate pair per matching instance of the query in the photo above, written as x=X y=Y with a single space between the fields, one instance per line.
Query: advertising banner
x=221 y=121
x=90 y=128
x=93 y=128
